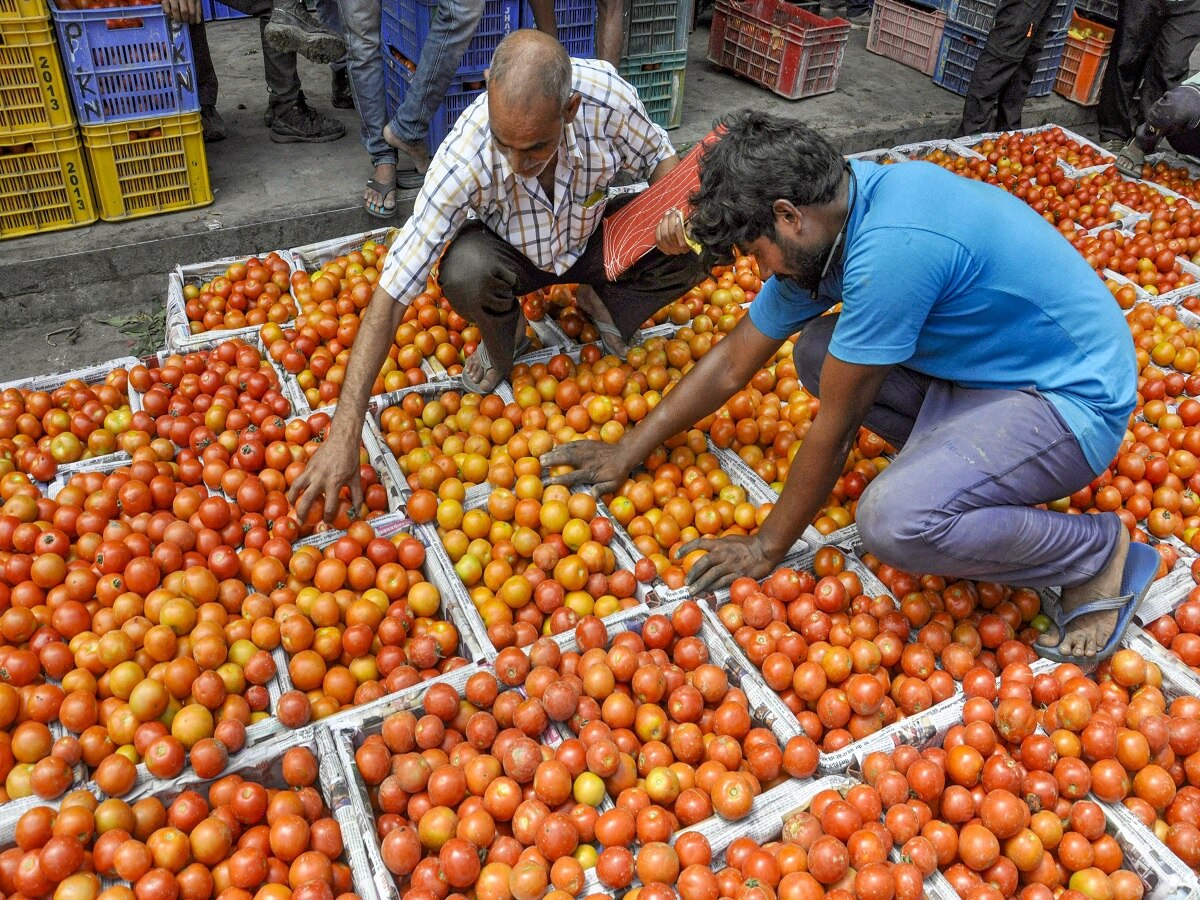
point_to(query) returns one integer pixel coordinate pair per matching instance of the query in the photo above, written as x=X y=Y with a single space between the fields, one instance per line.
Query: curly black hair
x=759 y=159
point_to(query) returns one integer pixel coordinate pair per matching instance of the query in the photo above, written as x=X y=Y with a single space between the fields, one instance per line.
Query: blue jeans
x=454 y=24
x=959 y=498
x=327 y=11
x=364 y=59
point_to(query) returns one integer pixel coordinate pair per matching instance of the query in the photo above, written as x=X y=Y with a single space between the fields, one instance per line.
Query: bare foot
x=385 y=173
x=417 y=152
x=1087 y=635
x=589 y=301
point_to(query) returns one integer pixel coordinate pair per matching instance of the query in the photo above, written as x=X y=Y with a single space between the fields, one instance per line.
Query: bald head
x=530 y=101
x=529 y=71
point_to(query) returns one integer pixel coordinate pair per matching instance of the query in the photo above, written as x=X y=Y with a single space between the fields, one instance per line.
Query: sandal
x=1140 y=568
x=409 y=179
x=520 y=348
x=1130 y=160
x=610 y=337
x=383 y=190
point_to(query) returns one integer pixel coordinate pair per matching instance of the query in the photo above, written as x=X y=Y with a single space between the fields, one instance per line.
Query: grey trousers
x=959 y=498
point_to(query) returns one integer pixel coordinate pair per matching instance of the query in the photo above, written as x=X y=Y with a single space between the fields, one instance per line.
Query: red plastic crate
x=909 y=34
x=786 y=49
x=1083 y=63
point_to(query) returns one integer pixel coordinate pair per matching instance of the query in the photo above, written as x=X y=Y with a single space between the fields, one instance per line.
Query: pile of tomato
x=561 y=761
x=41 y=430
x=1178 y=179
x=332 y=301
x=248 y=294
x=532 y=559
x=847 y=663
x=161 y=615
x=236 y=838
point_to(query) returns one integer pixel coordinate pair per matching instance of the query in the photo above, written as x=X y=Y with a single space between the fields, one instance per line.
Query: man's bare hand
x=332 y=467
x=727 y=558
x=671 y=234
x=183 y=11
x=594 y=463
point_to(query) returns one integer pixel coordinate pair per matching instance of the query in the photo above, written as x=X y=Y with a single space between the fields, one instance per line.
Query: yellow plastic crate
x=148 y=166
x=24 y=9
x=33 y=92
x=43 y=183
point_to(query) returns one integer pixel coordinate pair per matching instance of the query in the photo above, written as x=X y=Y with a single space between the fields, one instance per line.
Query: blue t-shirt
x=964 y=282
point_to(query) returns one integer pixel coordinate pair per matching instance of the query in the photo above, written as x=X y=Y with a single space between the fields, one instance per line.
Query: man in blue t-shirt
x=971 y=335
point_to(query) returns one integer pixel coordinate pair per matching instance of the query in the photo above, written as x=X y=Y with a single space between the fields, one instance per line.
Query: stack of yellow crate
x=43 y=180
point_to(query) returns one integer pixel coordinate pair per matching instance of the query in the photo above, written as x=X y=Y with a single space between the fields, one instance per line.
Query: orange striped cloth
x=629 y=232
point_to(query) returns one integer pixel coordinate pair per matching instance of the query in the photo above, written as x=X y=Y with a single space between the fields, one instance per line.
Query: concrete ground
x=273 y=196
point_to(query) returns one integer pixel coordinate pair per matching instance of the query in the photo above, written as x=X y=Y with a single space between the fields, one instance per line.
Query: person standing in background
x=1151 y=46
x=1007 y=65
x=364 y=57
x=288 y=115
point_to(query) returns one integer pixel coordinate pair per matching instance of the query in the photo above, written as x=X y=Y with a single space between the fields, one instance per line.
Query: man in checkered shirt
x=532 y=160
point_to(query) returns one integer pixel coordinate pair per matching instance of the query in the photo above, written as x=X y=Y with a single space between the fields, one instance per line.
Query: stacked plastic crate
x=654 y=55
x=908 y=31
x=133 y=85
x=1085 y=58
x=43 y=179
x=406 y=25
x=1103 y=11
x=967 y=25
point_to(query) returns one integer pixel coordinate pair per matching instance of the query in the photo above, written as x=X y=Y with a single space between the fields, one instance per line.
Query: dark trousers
x=1150 y=49
x=1186 y=142
x=283 y=81
x=960 y=497
x=483 y=276
x=1007 y=64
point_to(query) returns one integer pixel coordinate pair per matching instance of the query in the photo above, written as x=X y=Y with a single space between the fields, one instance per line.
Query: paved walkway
x=270 y=196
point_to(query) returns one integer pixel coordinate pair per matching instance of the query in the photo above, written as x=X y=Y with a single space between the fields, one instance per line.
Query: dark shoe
x=340 y=91
x=212 y=125
x=292 y=28
x=298 y=123
x=1130 y=159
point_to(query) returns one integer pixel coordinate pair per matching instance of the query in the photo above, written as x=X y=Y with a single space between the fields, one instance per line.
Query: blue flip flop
x=1140 y=568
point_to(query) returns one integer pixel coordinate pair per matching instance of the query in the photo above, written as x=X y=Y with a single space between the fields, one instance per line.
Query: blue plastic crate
x=1047 y=71
x=215 y=11
x=463 y=91
x=405 y=24
x=126 y=63
x=979 y=14
x=960 y=51
x=576 y=25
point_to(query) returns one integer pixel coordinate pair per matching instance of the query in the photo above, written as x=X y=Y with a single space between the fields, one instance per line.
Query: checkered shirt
x=610 y=133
